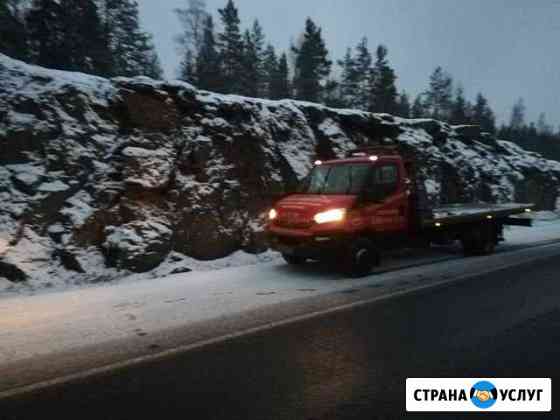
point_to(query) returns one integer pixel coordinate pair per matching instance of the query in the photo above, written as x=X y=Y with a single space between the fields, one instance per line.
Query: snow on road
x=48 y=323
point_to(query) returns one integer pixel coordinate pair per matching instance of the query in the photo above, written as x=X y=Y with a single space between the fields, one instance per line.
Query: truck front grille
x=294 y=224
x=289 y=240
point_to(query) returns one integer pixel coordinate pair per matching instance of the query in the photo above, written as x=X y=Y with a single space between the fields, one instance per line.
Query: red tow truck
x=355 y=209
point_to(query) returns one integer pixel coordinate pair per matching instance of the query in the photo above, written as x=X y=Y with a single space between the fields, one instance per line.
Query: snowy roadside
x=175 y=264
x=546 y=227
x=106 y=321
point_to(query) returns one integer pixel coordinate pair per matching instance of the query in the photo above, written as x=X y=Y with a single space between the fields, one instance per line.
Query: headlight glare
x=272 y=214
x=329 y=216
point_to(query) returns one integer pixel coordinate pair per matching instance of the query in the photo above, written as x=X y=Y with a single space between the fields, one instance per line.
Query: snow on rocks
x=100 y=178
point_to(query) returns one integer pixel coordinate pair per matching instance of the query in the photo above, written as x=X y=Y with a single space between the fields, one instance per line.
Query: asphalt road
x=350 y=364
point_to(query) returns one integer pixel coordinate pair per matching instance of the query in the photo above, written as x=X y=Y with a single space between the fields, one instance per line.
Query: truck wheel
x=480 y=241
x=361 y=258
x=293 y=259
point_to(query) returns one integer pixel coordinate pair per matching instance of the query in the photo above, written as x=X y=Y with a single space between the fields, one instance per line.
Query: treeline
x=239 y=60
x=101 y=37
x=539 y=137
x=104 y=37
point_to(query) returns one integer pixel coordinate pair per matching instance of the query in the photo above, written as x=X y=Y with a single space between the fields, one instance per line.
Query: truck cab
x=341 y=206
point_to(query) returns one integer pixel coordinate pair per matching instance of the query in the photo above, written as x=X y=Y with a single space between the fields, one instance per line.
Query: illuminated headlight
x=272 y=214
x=335 y=215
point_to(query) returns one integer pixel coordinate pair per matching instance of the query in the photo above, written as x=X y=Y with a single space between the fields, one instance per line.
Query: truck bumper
x=313 y=247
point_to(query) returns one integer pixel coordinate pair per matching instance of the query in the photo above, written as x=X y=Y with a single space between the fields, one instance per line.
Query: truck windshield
x=336 y=179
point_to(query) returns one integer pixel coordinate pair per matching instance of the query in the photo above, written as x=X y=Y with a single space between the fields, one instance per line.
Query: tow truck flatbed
x=462 y=213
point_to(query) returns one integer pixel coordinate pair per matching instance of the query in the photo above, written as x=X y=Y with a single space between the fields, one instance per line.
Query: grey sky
x=503 y=48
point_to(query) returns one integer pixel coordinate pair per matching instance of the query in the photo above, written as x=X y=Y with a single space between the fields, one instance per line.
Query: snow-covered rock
x=123 y=173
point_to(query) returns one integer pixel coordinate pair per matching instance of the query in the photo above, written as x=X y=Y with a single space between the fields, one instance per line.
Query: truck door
x=388 y=211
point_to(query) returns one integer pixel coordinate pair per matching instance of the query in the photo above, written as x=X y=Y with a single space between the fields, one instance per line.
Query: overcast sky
x=504 y=48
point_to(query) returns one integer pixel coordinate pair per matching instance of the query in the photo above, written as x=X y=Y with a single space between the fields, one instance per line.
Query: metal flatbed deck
x=465 y=213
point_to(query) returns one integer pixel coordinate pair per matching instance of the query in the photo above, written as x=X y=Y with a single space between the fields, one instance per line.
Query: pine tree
x=542 y=127
x=13 y=34
x=269 y=68
x=349 y=80
x=332 y=95
x=58 y=38
x=280 y=84
x=187 y=68
x=403 y=105
x=517 y=121
x=258 y=41
x=459 y=108
x=419 y=108
x=250 y=77
x=231 y=49
x=383 y=92
x=193 y=20
x=438 y=96
x=483 y=115
x=132 y=51
x=312 y=65
x=86 y=50
x=253 y=76
x=46 y=34
x=208 y=71
x=363 y=69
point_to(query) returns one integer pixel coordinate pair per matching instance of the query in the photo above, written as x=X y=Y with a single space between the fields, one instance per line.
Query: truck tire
x=479 y=241
x=293 y=259
x=361 y=258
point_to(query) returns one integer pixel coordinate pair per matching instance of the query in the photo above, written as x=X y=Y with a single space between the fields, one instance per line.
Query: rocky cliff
x=100 y=177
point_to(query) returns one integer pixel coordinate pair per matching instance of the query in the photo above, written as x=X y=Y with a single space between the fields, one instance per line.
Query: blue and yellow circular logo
x=484 y=394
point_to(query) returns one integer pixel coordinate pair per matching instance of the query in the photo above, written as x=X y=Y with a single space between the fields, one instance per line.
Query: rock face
x=123 y=172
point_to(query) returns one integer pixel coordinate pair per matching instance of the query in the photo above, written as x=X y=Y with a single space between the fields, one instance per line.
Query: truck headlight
x=272 y=214
x=335 y=215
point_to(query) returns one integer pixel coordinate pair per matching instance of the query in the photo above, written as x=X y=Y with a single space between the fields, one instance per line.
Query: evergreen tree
x=254 y=80
x=363 y=70
x=193 y=19
x=483 y=115
x=13 y=34
x=349 y=79
x=86 y=50
x=438 y=96
x=231 y=49
x=403 y=105
x=250 y=77
x=419 y=108
x=383 y=92
x=269 y=67
x=469 y=111
x=208 y=71
x=58 y=39
x=187 y=68
x=132 y=51
x=517 y=121
x=312 y=65
x=258 y=41
x=280 y=83
x=46 y=34
x=542 y=127
x=332 y=96
x=459 y=108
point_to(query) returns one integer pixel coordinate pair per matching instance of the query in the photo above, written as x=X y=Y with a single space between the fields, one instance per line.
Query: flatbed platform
x=461 y=213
